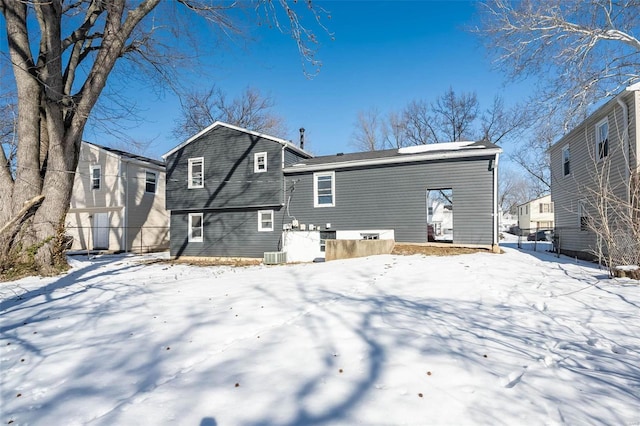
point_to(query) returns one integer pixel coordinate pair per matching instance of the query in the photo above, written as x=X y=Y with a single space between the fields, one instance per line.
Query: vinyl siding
x=110 y=192
x=227 y=233
x=568 y=191
x=291 y=157
x=394 y=197
x=147 y=218
x=229 y=178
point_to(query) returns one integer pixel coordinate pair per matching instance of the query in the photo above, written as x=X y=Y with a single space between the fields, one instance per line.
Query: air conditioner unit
x=275 y=257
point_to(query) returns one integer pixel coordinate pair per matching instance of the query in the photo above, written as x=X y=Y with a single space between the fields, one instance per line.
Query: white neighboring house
x=118 y=202
x=536 y=214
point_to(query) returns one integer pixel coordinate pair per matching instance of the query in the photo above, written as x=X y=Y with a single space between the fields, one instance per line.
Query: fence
x=136 y=239
x=581 y=243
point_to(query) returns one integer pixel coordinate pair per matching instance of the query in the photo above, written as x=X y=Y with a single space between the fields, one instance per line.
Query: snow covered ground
x=517 y=338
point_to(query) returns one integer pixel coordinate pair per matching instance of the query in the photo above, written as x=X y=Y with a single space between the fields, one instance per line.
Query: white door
x=100 y=231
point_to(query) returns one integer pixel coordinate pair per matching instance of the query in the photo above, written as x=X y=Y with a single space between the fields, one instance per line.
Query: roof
x=437 y=151
x=611 y=101
x=534 y=200
x=128 y=154
x=283 y=142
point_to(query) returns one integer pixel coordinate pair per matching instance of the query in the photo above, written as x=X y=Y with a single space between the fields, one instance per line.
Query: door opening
x=440 y=215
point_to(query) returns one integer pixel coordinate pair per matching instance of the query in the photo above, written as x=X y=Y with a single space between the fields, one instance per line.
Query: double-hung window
x=260 y=162
x=265 y=220
x=96 y=177
x=196 y=228
x=196 y=173
x=546 y=207
x=602 y=139
x=566 y=161
x=150 y=182
x=324 y=189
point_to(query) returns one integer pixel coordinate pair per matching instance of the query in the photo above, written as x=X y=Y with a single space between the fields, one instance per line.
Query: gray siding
x=227 y=233
x=229 y=178
x=291 y=157
x=568 y=191
x=394 y=197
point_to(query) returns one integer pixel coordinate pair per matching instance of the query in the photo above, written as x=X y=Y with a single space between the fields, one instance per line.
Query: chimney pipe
x=301 y=137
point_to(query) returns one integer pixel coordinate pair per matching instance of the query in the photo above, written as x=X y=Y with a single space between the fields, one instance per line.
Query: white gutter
x=301 y=167
x=125 y=212
x=496 y=238
x=625 y=146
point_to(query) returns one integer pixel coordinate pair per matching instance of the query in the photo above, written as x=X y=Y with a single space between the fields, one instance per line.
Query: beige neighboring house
x=118 y=202
x=536 y=214
x=602 y=151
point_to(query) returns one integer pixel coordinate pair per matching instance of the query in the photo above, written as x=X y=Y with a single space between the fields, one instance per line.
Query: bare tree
x=455 y=115
x=250 y=110
x=395 y=130
x=499 y=123
x=419 y=124
x=515 y=188
x=370 y=132
x=61 y=69
x=583 y=51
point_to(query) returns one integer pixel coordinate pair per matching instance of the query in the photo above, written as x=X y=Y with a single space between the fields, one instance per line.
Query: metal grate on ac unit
x=275 y=257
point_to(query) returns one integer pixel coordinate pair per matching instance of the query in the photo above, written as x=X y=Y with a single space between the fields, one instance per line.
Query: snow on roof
x=445 y=146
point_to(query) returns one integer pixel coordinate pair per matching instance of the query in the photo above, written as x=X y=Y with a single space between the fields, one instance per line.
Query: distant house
x=597 y=156
x=536 y=214
x=238 y=193
x=118 y=202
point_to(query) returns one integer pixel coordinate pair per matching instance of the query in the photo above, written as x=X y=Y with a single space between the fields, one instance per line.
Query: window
x=260 y=162
x=602 y=139
x=195 y=228
x=324 y=236
x=583 y=215
x=566 y=161
x=96 y=177
x=546 y=207
x=150 y=182
x=196 y=173
x=265 y=220
x=324 y=189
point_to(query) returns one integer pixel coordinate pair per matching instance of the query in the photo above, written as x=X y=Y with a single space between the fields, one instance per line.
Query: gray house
x=237 y=193
x=593 y=168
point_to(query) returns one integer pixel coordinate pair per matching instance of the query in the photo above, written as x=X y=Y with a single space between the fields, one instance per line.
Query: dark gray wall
x=229 y=180
x=291 y=157
x=232 y=233
x=394 y=197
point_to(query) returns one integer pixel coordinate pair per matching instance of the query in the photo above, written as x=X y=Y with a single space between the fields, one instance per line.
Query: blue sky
x=385 y=54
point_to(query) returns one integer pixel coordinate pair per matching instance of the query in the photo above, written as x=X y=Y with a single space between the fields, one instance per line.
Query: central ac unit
x=275 y=257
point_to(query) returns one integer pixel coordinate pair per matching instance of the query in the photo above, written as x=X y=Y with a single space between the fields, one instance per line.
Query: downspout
x=125 y=203
x=495 y=205
x=625 y=146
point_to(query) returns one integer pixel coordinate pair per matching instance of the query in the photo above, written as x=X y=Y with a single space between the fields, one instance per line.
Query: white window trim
x=191 y=238
x=145 y=182
x=260 y=227
x=189 y=177
x=598 y=125
x=91 y=169
x=315 y=189
x=566 y=149
x=255 y=162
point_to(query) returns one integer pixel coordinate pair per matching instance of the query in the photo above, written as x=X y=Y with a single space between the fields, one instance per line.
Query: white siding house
x=536 y=214
x=118 y=202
